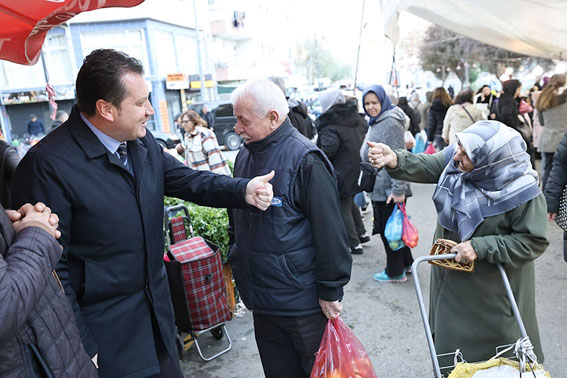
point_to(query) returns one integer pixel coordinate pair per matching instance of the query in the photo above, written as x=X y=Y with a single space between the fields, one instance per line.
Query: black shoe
x=356 y=250
x=364 y=238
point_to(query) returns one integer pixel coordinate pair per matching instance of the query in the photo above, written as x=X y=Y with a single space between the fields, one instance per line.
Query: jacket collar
x=93 y=147
x=275 y=138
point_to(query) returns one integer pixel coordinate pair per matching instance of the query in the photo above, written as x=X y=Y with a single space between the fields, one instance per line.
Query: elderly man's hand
x=380 y=154
x=259 y=191
x=331 y=309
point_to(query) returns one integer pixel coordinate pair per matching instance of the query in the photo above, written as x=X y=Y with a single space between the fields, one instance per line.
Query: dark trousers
x=357 y=218
x=346 y=213
x=396 y=261
x=546 y=164
x=565 y=246
x=287 y=344
x=168 y=365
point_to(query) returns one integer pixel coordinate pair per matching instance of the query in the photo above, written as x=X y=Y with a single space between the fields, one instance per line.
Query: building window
x=131 y=42
x=58 y=59
x=187 y=56
x=165 y=53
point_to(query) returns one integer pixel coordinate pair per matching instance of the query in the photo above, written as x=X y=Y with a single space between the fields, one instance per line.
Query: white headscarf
x=330 y=97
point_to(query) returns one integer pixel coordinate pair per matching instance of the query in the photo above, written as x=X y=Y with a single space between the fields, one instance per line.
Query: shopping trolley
x=522 y=349
x=196 y=282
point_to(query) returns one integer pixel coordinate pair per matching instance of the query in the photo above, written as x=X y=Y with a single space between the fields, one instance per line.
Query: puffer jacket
x=38 y=334
x=389 y=129
x=435 y=118
x=557 y=177
x=340 y=139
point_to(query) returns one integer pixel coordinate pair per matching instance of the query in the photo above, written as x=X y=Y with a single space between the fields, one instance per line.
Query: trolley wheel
x=217 y=333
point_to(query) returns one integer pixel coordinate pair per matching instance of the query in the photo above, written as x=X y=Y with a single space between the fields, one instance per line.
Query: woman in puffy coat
x=439 y=106
x=555 y=186
x=339 y=138
x=552 y=107
x=38 y=334
x=387 y=125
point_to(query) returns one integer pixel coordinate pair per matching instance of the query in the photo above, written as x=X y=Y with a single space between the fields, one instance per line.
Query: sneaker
x=408 y=269
x=383 y=277
x=364 y=238
x=356 y=250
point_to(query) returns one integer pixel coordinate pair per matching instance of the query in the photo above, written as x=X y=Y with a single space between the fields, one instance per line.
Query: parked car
x=223 y=122
x=167 y=140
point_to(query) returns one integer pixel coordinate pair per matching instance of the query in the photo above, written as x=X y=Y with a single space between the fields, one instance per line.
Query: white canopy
x=530 y=27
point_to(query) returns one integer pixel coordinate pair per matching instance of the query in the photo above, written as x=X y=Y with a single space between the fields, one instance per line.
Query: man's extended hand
x=259 y=191
x=331 y=309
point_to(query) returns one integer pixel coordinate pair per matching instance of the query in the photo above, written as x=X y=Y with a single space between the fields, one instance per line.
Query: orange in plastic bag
x=410 y=236
x=341 y=354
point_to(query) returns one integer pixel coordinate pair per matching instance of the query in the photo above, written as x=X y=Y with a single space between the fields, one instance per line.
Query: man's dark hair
x=101 y=77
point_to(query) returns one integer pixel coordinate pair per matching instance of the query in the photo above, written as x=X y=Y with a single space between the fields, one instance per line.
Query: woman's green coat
x=471 y=311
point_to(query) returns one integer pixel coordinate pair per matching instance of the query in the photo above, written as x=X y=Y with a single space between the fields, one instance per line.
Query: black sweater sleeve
x=316 y=195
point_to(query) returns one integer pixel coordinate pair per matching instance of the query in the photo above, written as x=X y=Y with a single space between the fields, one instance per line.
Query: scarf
x=502 y=179
x=384 y=99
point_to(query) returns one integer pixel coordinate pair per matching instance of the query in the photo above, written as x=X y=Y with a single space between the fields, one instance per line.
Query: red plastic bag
x=430 y=149
x=341 y=355
x=410 y=236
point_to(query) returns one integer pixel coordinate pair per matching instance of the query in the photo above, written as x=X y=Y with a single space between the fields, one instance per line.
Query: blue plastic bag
x=420 y=143
x=394 y=229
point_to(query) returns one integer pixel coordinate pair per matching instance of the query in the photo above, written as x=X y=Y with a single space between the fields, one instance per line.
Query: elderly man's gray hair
x=266 y=95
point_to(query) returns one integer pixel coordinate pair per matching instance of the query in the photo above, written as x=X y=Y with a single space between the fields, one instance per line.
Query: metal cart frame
x=434 y=356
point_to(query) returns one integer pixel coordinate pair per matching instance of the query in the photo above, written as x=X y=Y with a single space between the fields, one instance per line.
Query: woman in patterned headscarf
x=487 y=200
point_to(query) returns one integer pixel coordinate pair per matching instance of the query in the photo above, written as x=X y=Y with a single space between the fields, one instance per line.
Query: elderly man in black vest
x=291 y=261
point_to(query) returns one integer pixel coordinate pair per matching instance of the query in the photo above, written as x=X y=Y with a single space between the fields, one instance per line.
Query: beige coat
x=457 y=119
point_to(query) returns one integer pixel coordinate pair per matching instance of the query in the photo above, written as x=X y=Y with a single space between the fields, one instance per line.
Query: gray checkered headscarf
x=502 y=179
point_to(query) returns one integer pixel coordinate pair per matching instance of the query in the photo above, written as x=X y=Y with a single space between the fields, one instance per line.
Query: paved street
x=386 y=316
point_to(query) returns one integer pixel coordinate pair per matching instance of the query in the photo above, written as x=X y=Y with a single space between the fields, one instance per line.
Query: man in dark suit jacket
x=106 y=178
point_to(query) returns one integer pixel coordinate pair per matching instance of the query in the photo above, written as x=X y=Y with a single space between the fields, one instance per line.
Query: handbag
x=341 y=354
x=367 y=177
x=561 y=217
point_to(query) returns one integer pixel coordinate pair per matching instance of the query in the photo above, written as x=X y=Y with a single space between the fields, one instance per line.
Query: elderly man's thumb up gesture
x=259 y=191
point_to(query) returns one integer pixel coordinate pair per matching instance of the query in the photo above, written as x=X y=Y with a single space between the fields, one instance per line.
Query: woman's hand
x=395 y=198
x=465 y=252
x=380 y=155
x=551 y=216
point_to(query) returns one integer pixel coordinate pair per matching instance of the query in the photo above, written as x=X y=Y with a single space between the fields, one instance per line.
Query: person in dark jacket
x=298 y=113
x=340 y=139
x=38 y=335
x=60 y=117
x=291 y=262
x=35 y=126
x=435 y=117
x=9 y=160
x=508 y=113
x=106 y=176
x=414 y=116
x=555 y=186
